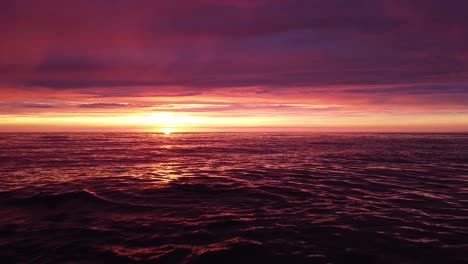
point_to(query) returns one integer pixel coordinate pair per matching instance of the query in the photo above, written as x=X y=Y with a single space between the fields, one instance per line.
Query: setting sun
x=167 y=131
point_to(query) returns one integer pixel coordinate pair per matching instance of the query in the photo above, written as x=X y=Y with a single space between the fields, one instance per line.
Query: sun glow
x=167 y=131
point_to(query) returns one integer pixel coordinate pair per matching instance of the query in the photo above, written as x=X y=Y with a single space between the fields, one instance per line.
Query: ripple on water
x=230 y=198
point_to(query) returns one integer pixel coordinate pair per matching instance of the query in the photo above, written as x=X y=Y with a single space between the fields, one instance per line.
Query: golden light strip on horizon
x=188 y=121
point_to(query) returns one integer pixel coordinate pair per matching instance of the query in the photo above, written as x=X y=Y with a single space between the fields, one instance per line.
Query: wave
x=77 y=197
x=230 y=198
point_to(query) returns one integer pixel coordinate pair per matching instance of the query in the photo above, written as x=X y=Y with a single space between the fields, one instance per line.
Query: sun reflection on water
x=165 y=173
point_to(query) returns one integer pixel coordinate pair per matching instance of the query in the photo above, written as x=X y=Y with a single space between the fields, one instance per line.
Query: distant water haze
x=233 y=198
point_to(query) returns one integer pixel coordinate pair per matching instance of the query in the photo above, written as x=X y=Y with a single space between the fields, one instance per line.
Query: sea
x=233 y=198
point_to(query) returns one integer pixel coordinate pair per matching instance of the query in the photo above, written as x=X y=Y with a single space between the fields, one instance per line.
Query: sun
x=167 y=131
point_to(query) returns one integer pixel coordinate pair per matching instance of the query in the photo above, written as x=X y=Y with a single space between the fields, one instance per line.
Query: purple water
x=233 y=198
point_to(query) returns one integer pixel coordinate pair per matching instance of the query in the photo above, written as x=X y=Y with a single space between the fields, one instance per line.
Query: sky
x=234 y=65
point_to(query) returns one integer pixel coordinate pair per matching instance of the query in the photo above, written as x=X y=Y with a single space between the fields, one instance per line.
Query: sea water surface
x=233 y=198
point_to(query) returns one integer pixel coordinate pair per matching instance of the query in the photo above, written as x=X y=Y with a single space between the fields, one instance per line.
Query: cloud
x=363 y=54
x=104 y=105
x=460 y=89
x=27 y=105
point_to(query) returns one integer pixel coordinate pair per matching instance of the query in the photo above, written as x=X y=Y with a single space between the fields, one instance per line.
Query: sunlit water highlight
x=233 y=198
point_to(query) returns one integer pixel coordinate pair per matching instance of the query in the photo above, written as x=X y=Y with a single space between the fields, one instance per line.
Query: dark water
x=234 y=198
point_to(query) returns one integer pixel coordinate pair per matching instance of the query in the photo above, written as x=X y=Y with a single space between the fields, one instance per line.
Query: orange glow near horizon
x=168 y=122
x=244 y=109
